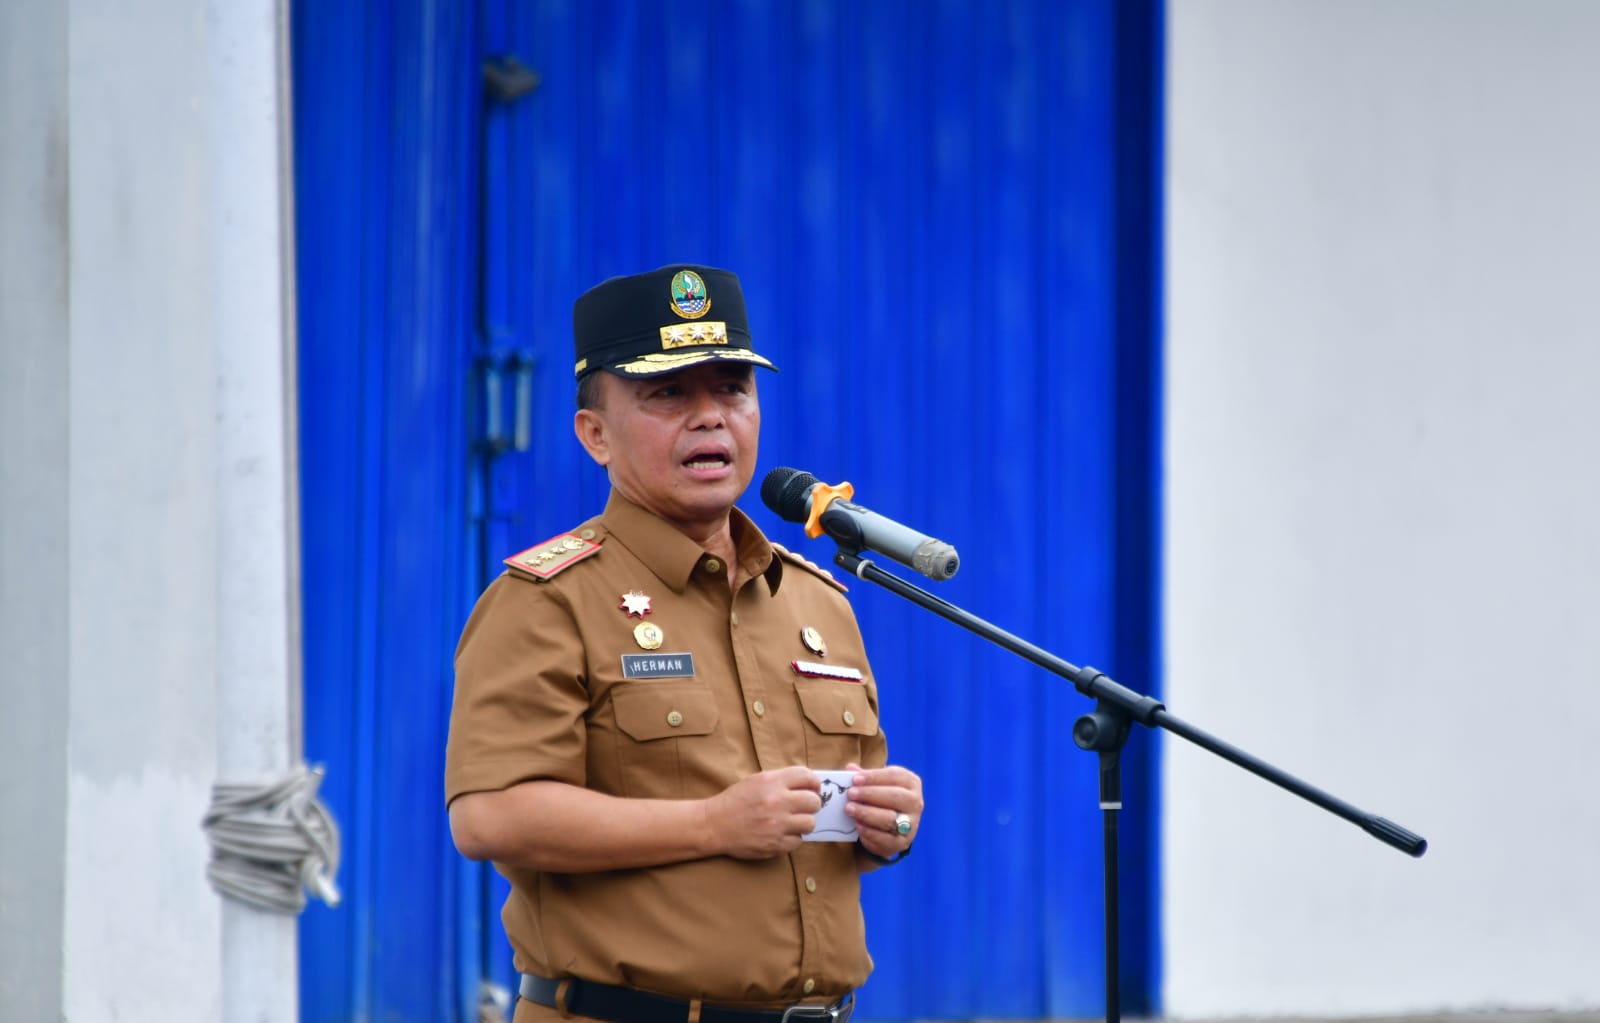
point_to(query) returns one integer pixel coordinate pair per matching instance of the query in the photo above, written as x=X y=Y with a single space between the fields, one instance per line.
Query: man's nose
x=704 y=410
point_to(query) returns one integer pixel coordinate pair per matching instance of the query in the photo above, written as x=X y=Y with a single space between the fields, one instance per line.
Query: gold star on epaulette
x=545 y=560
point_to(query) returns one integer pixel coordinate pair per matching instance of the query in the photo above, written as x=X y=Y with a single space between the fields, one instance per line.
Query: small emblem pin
x=648 y=635
x=813 y=641
x=635 y=603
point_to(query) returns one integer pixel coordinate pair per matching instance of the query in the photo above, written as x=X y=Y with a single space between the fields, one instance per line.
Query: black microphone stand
x=1105 y=730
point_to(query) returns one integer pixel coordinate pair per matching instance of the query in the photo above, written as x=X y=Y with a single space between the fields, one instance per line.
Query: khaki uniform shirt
x=541 y=693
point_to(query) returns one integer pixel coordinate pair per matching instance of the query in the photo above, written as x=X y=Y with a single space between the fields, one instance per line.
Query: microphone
x=792 y=494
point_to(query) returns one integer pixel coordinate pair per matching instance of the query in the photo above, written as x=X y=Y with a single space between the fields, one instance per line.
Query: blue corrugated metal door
x=386 y=111
x=945 y=219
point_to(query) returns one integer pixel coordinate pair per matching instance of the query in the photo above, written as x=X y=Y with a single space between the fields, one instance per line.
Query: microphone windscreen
x=786 y=491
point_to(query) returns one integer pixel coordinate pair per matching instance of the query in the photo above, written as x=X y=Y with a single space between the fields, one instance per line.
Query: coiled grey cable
x=272 y=843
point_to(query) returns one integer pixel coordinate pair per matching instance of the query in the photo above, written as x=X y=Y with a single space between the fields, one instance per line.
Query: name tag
x=812 y=669
x=658 y=665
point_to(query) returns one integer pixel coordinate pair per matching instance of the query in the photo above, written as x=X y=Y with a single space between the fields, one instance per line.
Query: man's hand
x=877 y=797
x=765 y=814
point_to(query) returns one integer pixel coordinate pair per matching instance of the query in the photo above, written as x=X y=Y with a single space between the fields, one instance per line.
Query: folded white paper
x=833 y=824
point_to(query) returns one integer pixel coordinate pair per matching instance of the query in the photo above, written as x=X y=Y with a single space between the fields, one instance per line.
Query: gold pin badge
x=813 y=641
x=635 y=603
x=648 y=635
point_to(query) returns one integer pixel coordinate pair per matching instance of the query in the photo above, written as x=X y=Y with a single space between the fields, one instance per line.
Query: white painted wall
x=144 y=518
x=257 y=578
x=141 y=926
x=33 y=506
x=1383 y=470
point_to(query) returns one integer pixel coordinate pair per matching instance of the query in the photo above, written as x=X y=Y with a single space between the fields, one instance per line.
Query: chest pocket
x=664 y=726
x=840 y=717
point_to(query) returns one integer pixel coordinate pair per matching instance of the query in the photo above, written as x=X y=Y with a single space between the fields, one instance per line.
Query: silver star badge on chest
x=635 y=603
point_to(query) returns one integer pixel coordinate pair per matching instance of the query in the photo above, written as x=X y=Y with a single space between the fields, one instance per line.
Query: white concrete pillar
x=147 y=611
x=141 y=925
x=257 y=606
x=33 y=504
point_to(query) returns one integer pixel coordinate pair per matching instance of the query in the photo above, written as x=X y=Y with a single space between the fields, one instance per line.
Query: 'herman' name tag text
x=658 y=665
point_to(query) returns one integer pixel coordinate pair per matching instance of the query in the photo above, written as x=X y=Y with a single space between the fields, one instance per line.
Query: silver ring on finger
x=902 y=824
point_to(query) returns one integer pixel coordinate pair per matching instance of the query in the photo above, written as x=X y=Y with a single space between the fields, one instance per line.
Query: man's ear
x=591 y=431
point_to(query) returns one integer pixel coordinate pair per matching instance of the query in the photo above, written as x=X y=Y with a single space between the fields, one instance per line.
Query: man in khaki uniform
x=642 y=706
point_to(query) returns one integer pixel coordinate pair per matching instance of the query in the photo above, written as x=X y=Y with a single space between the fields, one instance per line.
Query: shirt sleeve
x=520 y=692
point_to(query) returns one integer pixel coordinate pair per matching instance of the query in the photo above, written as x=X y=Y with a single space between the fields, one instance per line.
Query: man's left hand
x=877 y=797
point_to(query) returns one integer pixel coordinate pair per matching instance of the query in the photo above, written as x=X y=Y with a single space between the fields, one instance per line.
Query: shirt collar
x=673 y=556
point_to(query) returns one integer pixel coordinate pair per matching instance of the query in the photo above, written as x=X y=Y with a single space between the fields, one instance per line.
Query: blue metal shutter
x=945 y=218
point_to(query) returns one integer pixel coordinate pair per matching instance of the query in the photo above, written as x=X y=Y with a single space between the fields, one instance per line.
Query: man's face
x=682 y=445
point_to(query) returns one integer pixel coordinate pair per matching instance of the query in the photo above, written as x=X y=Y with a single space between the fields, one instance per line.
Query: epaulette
x=543 y=561
x=816 y=569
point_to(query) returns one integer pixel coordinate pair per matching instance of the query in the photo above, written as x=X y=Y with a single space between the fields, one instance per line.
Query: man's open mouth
x=706 y=461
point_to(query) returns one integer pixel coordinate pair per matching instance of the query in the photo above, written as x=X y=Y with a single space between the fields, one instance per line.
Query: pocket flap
x=660 y=710
x=838 y=708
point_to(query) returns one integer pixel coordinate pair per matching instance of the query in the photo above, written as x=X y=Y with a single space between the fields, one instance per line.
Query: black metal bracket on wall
x=502 y=377
x=503 y=425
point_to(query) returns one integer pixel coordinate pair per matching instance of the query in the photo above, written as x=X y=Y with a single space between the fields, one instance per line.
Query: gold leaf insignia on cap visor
x=666 y=362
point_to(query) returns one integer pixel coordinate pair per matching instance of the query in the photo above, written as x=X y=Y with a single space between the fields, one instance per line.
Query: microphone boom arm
x=1144 y=709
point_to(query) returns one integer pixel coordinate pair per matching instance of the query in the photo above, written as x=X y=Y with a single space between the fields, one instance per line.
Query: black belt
x=625 y=1005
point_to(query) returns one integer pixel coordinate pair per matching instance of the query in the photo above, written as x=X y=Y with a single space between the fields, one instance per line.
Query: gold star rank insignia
x=550 y=557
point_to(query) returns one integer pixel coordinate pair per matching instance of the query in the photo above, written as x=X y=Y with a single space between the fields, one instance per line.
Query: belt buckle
x=838 y=1012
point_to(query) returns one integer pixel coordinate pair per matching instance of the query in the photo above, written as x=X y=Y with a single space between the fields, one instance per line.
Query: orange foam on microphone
x=822 y=495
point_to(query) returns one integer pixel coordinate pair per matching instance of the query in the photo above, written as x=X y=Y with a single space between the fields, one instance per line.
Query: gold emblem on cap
x=648 y=635
x=813 y=641
x=689 y=298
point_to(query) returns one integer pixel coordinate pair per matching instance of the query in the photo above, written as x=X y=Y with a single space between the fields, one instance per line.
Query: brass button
x=587 y=534
x=849 y=717
x=713 y=566
x=809 y=986
x=811 y=884
x=760 y=709
x=674 y=718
